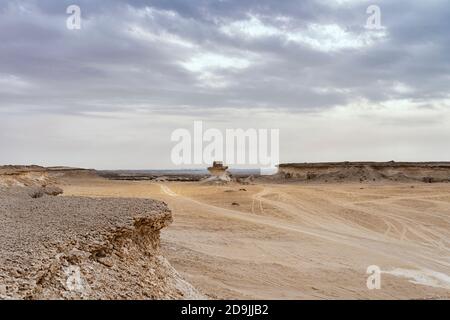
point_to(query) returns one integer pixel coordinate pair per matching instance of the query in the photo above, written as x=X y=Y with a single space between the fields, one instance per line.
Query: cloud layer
x=220 y=60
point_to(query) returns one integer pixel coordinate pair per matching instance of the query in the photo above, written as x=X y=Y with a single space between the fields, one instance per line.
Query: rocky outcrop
x=39 y=192
x=24 y=176
x=29 y=176
x=82 y=248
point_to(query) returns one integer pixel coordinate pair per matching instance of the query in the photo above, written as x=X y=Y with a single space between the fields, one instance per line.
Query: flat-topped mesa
x=218 y=169
x=367 y=171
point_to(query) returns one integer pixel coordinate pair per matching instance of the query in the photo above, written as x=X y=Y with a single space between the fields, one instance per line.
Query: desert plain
x=333 y=231
x=300 y=241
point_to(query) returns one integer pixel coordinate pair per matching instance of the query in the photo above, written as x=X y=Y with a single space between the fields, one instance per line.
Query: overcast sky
x=109 y=95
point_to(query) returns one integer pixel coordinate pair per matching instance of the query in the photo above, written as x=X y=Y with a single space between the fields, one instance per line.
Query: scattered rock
x=53 y=190
x=428 y=179
x=76 y=256
x=39 y=192
x=106 y=262
x=36 y=193
x=310 y=176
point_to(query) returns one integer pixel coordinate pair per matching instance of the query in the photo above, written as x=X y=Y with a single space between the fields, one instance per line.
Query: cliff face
x=54 y=247
x=367 y=171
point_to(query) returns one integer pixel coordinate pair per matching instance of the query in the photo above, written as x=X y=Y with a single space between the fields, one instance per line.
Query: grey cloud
x=104 y=62
x=128 y=59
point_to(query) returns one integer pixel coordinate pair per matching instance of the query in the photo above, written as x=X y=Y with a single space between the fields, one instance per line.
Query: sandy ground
x=301 y=241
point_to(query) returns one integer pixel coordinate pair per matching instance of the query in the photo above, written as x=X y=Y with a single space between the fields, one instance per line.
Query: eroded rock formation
x=54 y=247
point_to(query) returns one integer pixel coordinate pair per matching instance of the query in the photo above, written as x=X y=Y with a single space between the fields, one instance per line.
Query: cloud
x=199 y=58
x=320 y=37
x=132 y=50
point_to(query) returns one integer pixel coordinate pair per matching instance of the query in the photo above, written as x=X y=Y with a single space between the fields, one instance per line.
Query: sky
x=110 y=94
